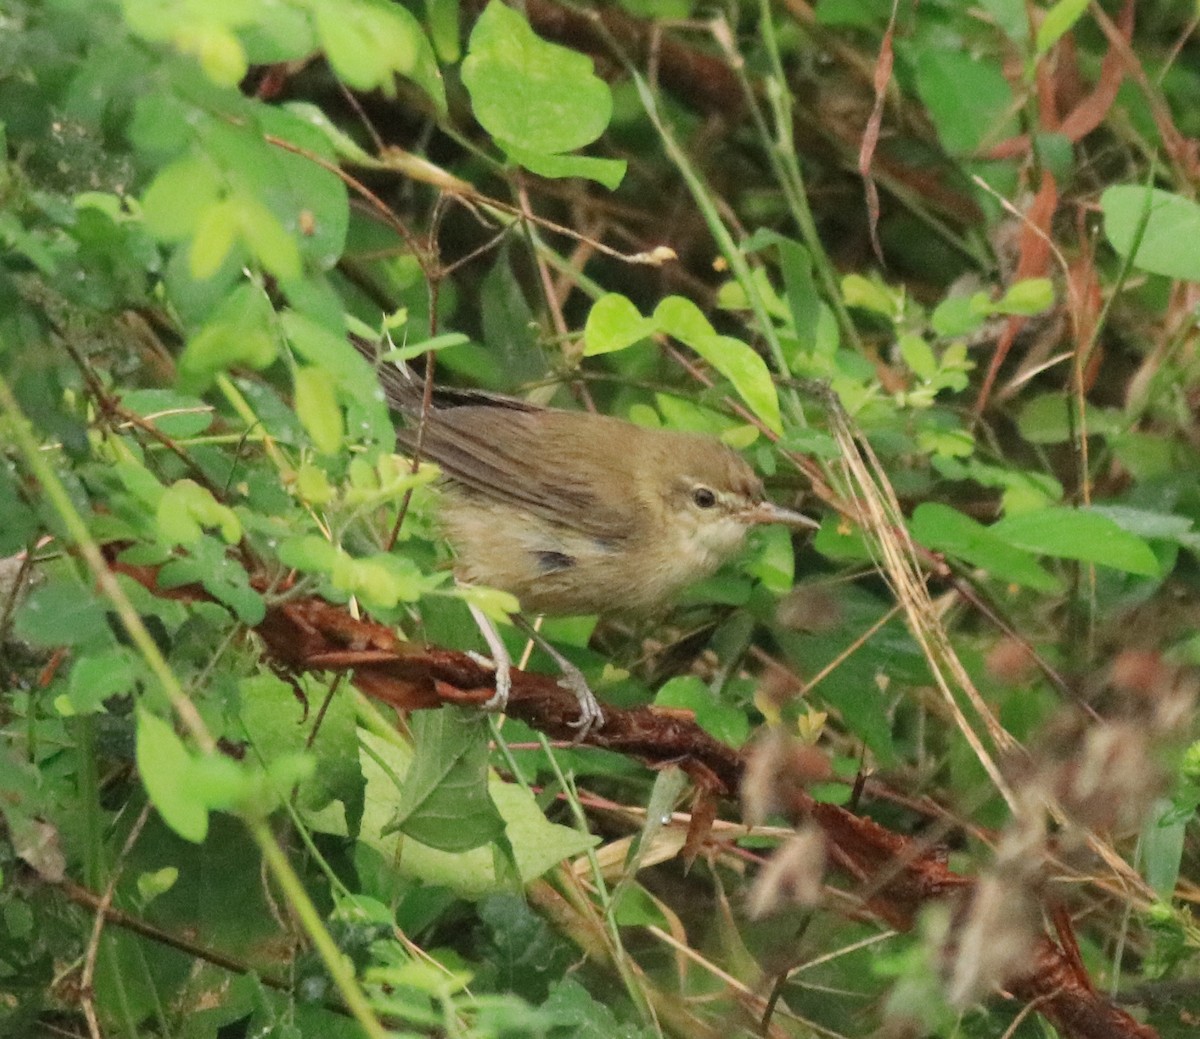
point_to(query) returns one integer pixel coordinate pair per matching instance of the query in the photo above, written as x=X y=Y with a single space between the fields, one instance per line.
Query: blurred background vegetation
x=932 y=267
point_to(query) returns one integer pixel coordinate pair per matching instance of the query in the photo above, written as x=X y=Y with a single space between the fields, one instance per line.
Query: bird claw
x=503 y=670
x=590 y=714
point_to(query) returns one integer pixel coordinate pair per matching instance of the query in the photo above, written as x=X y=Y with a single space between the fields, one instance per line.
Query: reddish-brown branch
x=897 y=874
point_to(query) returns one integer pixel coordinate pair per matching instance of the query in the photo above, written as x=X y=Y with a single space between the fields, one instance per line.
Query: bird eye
x=704 y=498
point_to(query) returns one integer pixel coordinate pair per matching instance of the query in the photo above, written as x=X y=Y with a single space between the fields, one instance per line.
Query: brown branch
x=898 y=875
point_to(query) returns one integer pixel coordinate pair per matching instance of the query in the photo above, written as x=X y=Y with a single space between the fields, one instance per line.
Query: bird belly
x=556 y=570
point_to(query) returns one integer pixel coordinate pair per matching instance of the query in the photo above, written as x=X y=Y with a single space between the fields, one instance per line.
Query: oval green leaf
x=947 y=530
x=1168 y=240
x=1076 y=534
x=537 y=95
x=737 y=362
x=614 y=324
x=165 y=767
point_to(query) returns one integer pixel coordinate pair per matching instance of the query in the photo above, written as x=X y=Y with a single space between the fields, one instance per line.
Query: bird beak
x=769 y=512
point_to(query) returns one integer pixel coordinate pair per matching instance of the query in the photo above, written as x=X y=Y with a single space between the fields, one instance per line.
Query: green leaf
x=1046 y=419
x=382 y=580
x=165 y=767
x=1172 y=228
x=918 y=355
x=348 y=370
x=956 y=316
x=609 y=172
x=536 y=843
x=858 y=291
x=442 y=17
x=944 y=529
x=521 y=950
x=772 y=558
x=20 y=521
x=62 y=613
x=186 y=508
x=719 y=720
x=317 y=408
x=282 y=720
x=613 y=324
x=367 y=42
x=535 y=95
x=1076 y=534
x=635 y=907
x=496 y=604
x=445 y=802
x=1028 y=297
x=151 y=884
x=737 y=362
x=309 y=553
x=1145 y=523
x=969 y=100
x=240 y=332
x=1057 y=22
x=97 y=676
x=1162 y=848
x=178 y=198
x=267 y=238
x=175 y=414
x=225 y=579
x=216 y=232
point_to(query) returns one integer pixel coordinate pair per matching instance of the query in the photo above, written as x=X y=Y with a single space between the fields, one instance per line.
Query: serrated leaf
x=445 y=802
x=537 y=844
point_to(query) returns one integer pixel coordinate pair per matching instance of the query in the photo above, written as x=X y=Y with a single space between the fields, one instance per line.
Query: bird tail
x=405 y=389
x=401 y=385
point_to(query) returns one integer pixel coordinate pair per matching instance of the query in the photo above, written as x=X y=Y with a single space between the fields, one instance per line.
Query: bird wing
x=520 y=456
x=514 y=452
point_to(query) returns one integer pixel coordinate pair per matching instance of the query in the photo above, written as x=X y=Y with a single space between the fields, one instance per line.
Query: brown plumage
x=576 y=513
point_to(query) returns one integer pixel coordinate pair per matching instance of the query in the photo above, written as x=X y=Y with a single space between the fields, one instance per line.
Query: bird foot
x=503 y=670
x=590 y=715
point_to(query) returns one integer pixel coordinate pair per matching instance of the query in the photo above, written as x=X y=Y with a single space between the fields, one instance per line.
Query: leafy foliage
x=984 y=337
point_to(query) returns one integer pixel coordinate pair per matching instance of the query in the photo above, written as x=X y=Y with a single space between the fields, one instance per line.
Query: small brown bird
x=577 y=513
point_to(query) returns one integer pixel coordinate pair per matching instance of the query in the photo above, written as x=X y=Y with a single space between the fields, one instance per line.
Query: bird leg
x=590 y=714
x=501 y=661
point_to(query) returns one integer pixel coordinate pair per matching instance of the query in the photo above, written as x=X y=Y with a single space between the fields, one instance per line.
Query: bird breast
x=557 y=570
